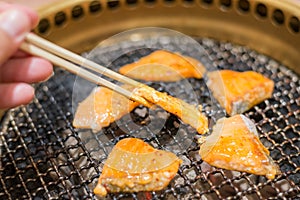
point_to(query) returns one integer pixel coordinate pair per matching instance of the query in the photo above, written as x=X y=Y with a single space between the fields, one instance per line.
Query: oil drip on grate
x=44 y=157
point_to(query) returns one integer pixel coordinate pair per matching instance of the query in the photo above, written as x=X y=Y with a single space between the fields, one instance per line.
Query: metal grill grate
x=44 y=157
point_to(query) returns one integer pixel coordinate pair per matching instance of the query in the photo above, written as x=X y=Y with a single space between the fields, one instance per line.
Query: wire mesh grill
x=44 y=157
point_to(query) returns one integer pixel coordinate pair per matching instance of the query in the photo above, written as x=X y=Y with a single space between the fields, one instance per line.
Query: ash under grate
x=44 y=157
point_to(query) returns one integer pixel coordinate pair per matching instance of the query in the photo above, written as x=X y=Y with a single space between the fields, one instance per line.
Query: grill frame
x=260 y=27
x=57 y=140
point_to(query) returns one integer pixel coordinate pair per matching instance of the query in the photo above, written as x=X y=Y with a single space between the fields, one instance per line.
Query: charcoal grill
x=44 y=157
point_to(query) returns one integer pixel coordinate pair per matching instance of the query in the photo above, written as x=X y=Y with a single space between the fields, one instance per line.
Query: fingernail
x=22 y=94
x=15 y=23
x=47 y=79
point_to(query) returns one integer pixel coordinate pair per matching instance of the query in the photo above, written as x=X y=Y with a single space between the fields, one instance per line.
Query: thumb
x=14 y=24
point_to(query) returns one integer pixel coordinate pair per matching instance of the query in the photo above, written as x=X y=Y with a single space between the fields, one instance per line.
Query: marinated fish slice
x=188 y=113
x=101 y=108
x=234 y=145
x=165 y=66
x=120 y=175
x=237 y=92
x=85 y=114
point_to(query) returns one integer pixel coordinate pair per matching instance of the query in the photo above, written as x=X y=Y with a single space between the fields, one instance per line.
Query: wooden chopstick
x=73 y=57
x=63 y=58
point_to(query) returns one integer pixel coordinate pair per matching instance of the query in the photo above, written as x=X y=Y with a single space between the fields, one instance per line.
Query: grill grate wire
x=44 y=157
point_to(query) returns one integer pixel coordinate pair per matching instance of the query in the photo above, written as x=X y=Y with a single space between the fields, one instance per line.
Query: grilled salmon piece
x=102 y=107
x=165 y=66
x=237 y=92
x=134 y=166
x=234 y=145
x=188 y=113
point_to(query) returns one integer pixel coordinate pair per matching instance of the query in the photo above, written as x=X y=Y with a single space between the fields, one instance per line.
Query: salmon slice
x=165 y=66
x=134 y=166
x=234 y=145
x=188 y=113
x=101 y=108
x=237 y=92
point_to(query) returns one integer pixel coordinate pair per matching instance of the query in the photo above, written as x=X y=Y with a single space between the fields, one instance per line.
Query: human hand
x=18 y=69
